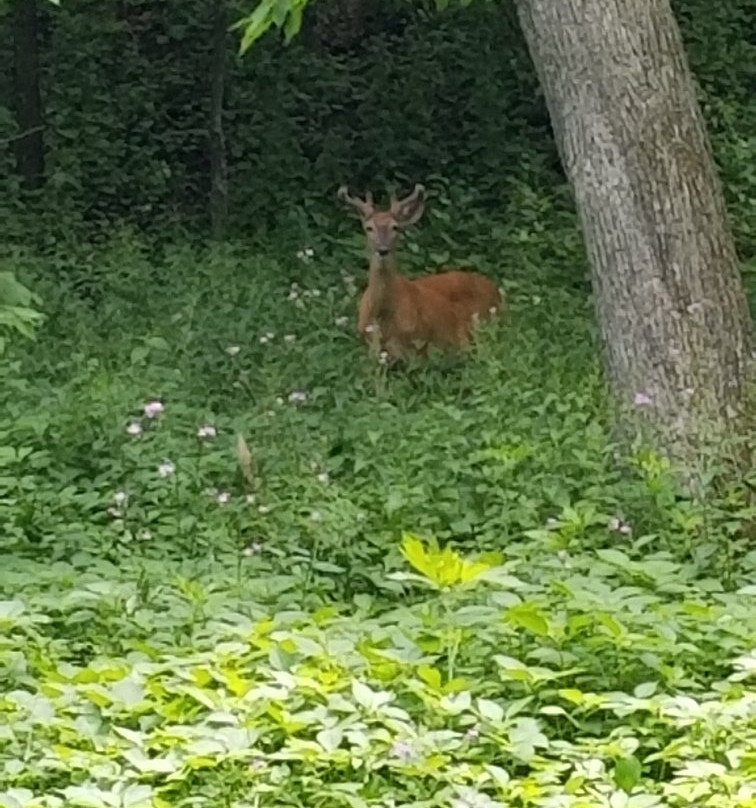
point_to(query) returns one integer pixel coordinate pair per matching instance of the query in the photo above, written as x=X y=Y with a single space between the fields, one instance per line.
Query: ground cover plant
x=439 y=585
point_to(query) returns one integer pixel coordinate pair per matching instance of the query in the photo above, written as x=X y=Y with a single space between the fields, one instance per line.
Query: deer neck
x=383 y=280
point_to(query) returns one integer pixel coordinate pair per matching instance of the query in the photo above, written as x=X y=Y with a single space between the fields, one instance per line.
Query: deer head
x=382 y=227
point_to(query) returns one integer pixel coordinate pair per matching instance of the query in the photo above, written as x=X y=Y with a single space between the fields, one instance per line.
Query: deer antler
x=365 y=207
x=416 y=191
x=410 y=208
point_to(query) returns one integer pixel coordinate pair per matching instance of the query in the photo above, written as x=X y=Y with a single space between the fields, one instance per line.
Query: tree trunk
x=216 y=139
x=668 y=292
x=29 y=144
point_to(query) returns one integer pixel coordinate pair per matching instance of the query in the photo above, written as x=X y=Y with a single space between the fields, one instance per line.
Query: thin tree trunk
x=29 y=144
x=216 y=139
x=669 y=296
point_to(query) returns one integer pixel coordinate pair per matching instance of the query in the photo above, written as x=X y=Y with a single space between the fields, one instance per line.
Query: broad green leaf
x=490 y=710
x=330 y=739
x=645 y=689
x=293 y=23
x=10 y=610
x=627 y=773
x=90 y=797
x=529 y=617
x=431 y=676
x=128 y=691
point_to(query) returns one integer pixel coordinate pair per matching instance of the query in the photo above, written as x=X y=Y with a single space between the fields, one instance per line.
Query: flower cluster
x=152 y=409
x=167 y=468
x=616 y=524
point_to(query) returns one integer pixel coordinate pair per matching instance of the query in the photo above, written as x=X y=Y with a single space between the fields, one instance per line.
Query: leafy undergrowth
x=214 y=593
x=542 y=681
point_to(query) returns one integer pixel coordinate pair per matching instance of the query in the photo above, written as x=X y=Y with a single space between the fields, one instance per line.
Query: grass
x=180 y=629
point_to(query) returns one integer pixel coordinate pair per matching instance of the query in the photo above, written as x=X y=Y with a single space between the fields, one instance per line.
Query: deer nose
x=382 y=251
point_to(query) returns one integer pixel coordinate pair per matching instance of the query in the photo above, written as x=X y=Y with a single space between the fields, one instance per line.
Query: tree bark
x=29 y=143
x=216 y=137
x=669 y=296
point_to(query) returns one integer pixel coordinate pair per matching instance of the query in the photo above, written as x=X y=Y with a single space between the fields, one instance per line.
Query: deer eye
x=395 y=227
x=369 y=228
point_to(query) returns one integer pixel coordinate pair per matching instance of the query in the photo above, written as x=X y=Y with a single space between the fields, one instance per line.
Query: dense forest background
x=375 y=95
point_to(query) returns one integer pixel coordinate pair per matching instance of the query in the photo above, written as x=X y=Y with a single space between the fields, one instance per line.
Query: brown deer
x=400 y=315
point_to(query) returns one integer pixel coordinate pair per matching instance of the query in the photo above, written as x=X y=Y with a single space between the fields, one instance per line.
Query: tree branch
x=21 y=135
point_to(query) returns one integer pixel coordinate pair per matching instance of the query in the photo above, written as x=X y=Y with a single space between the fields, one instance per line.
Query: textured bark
x=29 y=144
x=669 y=296
x=216 y=137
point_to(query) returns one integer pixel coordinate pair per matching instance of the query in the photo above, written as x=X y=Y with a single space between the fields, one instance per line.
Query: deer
x=400 y=316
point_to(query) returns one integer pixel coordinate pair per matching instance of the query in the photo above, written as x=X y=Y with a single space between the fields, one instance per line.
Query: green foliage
x=127 y=140
x=284 y=14
x=430 y=585
x=16 y=312
x=445 y=98
x=287 y=16
x=159 y=681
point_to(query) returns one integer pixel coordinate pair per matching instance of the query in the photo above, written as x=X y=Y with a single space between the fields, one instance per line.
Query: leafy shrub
x=16 y=312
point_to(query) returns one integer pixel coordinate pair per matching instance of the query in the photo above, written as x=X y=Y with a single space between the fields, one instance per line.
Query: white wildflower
x=153 y=408
x=403 y=750
x=620 y=526
x=166 y=468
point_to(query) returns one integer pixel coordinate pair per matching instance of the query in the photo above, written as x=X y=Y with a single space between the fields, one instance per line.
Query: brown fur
x=402 y=316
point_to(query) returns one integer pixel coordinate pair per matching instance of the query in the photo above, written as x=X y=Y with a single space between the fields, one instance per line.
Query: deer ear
x=408 y=211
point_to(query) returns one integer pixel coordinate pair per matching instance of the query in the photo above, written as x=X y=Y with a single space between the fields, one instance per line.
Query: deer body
x=401 y=315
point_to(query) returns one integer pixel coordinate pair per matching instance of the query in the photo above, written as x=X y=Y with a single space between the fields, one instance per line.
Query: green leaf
x=490 y=710
x=330 y=739
x=627 y=773
x=257 y=24
x=530 y=617
x=616 y=557
x=645 y=689
x=88 y=797
x=11 y=609
x=431 y=676
x=293 y=24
